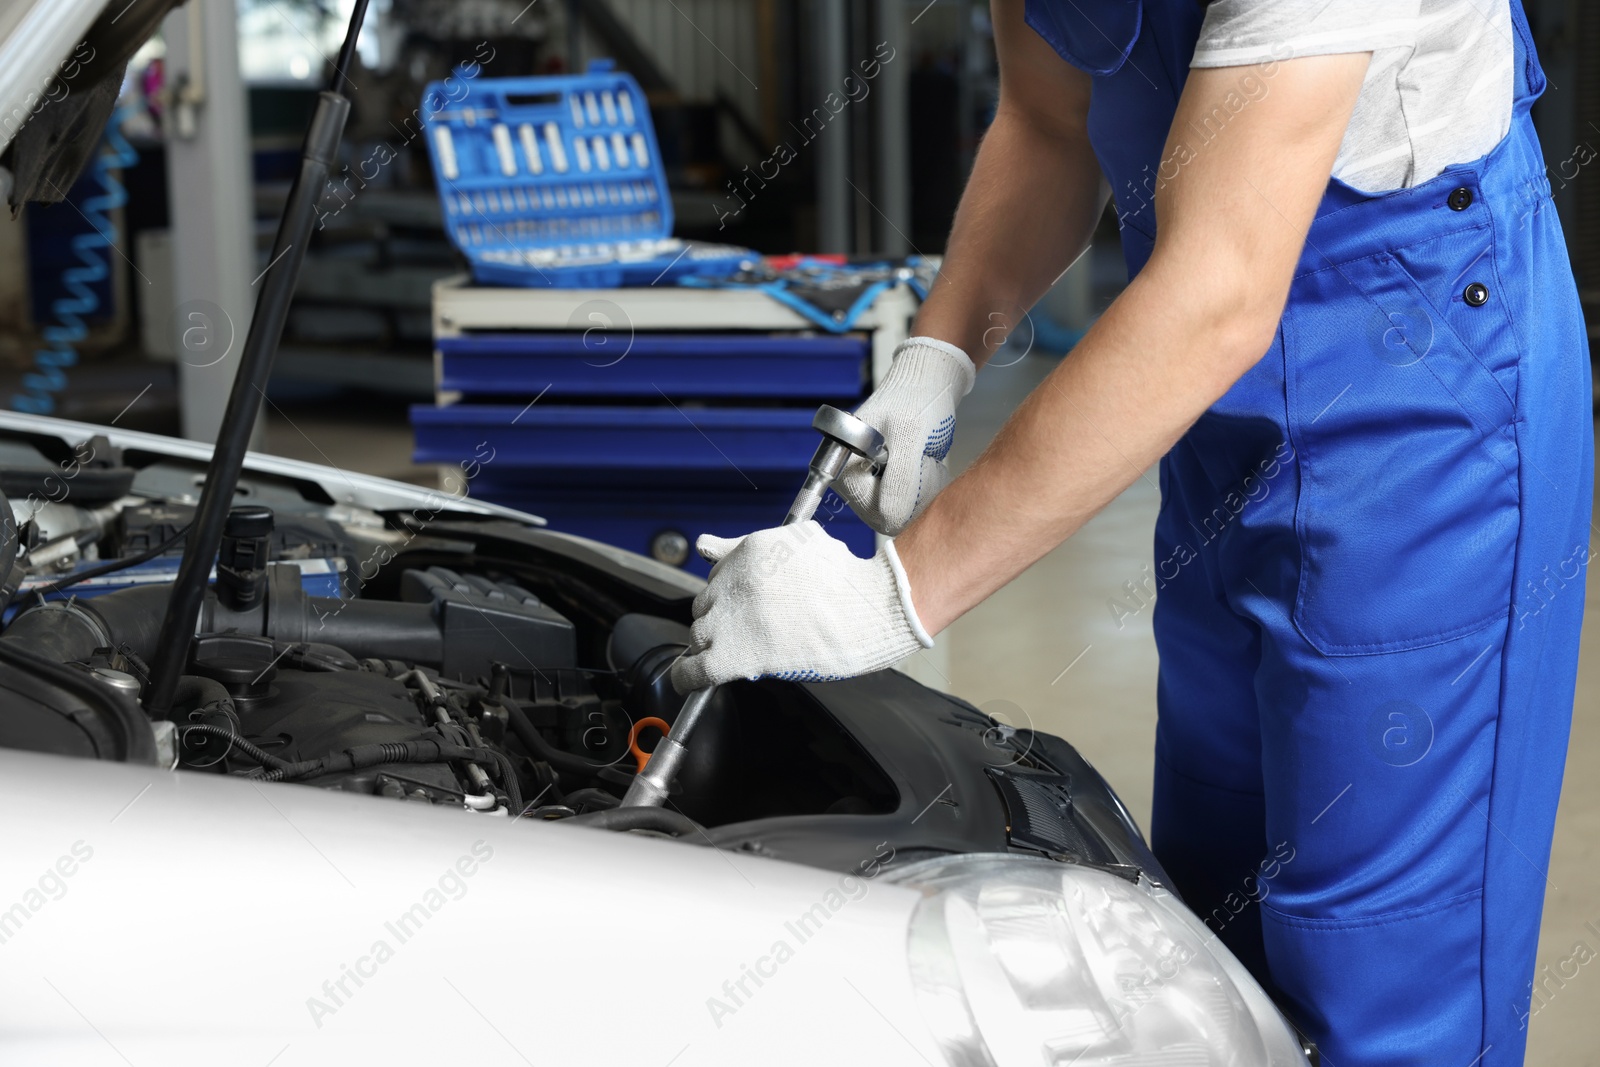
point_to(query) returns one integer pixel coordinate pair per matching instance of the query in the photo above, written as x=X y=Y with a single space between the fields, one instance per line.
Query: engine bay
x=414 y=646
x=383 y=655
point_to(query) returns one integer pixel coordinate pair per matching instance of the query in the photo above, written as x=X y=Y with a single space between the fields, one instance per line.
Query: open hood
x=61 y=68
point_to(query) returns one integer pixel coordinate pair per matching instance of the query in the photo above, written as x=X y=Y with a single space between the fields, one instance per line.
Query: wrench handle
x=826 y=465
x=808 y=499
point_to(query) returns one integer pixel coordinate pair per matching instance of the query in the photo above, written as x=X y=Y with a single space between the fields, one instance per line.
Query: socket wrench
x=843 y=435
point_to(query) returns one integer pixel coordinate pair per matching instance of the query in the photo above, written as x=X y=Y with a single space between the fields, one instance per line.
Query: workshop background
x=809 y=128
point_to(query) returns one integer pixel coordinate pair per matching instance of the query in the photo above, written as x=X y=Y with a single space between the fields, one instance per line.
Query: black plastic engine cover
x=485 y=622
x=307 y=714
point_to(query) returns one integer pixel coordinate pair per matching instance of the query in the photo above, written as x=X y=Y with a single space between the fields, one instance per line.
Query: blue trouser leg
x=1420 y=788
x=1555 y=431
x=1379 y=769
x=1209 y=826
x=1415 y=791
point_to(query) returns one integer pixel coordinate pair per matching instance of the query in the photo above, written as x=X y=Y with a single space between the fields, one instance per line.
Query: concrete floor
x=1047 y=652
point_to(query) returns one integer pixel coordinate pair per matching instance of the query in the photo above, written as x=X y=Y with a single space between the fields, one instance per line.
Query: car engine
x=394 y=655
x=414 y=647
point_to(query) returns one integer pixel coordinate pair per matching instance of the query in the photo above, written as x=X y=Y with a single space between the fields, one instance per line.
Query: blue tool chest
x=659 y=420
x=558 y=181
x=699 y=445
x=700 y=364
x=634 y=460
x=688 y=432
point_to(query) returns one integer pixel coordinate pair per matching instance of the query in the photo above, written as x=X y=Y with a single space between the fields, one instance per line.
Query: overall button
x=1460 y=199
x=1476 y=294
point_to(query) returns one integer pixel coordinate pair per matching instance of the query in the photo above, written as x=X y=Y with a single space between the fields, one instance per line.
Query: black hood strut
x=250 y=382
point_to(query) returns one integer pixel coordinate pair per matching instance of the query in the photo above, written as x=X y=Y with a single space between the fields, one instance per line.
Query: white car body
x=210 y=921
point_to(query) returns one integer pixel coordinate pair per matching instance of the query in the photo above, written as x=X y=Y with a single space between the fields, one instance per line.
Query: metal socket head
x=853 y=433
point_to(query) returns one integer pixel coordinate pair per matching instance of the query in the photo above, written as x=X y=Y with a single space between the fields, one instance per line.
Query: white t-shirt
x=1438 y=92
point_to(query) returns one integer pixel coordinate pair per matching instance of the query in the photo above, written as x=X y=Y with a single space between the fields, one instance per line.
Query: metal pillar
x=210 y=191
x=575 y=37
x=892 y=147
x=834 y=194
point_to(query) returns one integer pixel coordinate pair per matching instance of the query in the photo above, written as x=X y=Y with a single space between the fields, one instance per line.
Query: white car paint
x=35 y=36
x=202 y=917
x=347 y=487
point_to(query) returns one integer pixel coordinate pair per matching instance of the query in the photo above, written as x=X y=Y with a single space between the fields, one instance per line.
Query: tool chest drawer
x=664 y=524
x=613 y=364
x=672 y=441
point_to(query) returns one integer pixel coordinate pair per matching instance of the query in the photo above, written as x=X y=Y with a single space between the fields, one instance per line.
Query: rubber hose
x=49 y=377
x=68 y=631
x=371 y=628
x=508 y=781
x=204 y=694
x=266 y=759
x=421 y=751
x=661 y=820
x=558 y=758
x=313 y=656
x=425 y=750
x=595 y=798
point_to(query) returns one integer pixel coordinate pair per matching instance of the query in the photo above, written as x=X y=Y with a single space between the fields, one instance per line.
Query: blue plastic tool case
x=558 y=181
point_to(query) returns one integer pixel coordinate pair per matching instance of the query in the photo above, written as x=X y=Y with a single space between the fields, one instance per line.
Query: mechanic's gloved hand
x=794 y=603
x=915 y=410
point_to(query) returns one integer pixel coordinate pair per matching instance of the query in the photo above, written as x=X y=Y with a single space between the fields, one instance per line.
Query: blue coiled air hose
x=60 y=352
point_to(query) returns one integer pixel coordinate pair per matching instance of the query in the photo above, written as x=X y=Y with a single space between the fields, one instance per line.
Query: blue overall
x=1370 y=561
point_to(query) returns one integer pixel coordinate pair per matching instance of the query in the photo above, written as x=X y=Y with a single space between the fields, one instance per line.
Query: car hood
x=61 y=68
x=346 y=487
x=325 y=928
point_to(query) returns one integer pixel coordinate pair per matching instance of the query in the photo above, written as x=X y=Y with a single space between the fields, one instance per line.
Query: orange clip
x=640 y=755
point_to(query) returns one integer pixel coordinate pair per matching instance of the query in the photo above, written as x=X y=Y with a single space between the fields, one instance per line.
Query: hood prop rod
x=318 y=158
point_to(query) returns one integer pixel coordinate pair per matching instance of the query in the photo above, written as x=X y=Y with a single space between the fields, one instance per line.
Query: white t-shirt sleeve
x=1247 y=32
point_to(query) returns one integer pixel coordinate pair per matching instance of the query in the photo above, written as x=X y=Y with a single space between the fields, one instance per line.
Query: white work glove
x=915 y=409
x=793 y=603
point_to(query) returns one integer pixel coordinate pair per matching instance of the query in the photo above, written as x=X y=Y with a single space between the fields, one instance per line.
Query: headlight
x=1021 y=961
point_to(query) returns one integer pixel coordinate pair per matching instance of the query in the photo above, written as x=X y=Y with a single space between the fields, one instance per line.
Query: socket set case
x=558 y=182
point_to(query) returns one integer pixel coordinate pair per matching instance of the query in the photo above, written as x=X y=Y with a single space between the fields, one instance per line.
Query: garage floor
x=1048 y=652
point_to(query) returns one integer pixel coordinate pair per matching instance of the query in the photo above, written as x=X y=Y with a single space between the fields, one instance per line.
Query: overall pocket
x=1408 y=511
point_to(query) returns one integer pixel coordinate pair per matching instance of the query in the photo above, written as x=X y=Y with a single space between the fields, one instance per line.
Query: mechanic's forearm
x=1162 y=354
x=1029 y=209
